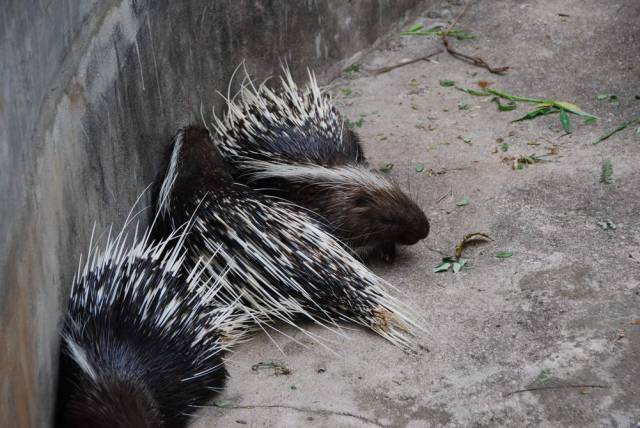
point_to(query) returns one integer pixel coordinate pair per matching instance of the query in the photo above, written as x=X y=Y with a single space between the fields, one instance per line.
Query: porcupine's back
x=140 y=345
x=289 y=125
x=292 y=143
x=279 y=258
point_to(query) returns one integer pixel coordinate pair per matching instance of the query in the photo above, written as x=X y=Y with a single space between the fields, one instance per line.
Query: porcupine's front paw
x=387 y=251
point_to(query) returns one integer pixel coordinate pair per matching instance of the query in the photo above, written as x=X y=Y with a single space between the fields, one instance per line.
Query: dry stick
x=475 y=60
x=377 y=71
x=540 y=388
x=322 y=412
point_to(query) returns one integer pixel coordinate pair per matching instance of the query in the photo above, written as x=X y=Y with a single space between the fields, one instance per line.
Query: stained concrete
x=560 y=311
x=91 y=93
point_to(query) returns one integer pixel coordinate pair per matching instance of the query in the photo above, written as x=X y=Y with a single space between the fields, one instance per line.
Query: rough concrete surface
x=560 y=311
x=91 y=92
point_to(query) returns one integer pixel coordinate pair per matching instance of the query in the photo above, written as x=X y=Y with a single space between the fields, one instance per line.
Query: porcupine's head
x=362 y=207
x=193 y=164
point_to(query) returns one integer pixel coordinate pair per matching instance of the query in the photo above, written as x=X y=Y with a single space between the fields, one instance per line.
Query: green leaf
x=353 y=68
x=222 y=403
x=590 y=121
x=606 y=176
x=419 y=167
x=433 y=31
x=572 y=108
x=442 y=267
x=357 y=124
x=504 y=254
x=446 y=83
x=612 y=98
x=543 y=111
x=386 y=168
x=508 y=96
x=607 y=225
x=458 y=265
x=564 y=120
x=463 y=202
x=346 y=92
x=638 y=130
x=415 y=28
x=460 y=34
x=504 y=147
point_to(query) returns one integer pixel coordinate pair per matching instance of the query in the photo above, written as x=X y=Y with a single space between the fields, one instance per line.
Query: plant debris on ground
x=475 y=237
x=418 y=30
x=543 y=106
x=279 y=367
x=607 y=225
x=504 y=254
x=456 y=262
x=606 y=176
x=357 y=124
x=621 y=127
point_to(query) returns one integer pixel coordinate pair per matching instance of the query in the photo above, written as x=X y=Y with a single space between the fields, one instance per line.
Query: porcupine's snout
x=415 y=227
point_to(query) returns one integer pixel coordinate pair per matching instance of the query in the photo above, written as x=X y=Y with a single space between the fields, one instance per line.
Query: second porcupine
x=141 y=346
x=294 y=144
x=274 y=255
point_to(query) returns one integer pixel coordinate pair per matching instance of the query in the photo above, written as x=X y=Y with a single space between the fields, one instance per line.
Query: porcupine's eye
x=388 y=221
x=361 y=201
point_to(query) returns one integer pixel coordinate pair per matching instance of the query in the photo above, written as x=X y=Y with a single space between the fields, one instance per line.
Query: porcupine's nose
x=417 y=228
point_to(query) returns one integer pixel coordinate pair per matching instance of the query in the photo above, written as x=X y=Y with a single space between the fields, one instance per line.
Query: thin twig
x=449 y=192
x=377 y=71
x=442 y=253
x=475 y=60
x=541 y=388
x=323 y=412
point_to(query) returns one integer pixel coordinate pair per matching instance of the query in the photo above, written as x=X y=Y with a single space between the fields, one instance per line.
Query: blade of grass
x=508 y=96
x=473 y=92
x=570 y=107
x=564 y=120
x=620 y=127
x=537 y=112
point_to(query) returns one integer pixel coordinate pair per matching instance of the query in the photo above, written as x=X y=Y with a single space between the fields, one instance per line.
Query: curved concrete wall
x=91 y=92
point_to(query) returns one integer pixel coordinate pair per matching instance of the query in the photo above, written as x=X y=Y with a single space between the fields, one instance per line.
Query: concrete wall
x=91 y=92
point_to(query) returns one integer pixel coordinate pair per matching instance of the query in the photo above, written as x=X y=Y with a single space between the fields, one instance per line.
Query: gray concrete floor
x=551 y=315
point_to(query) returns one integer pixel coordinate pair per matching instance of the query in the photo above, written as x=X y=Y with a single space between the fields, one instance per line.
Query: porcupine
x=293 y=143
x=141 y=347
x=279 y=259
